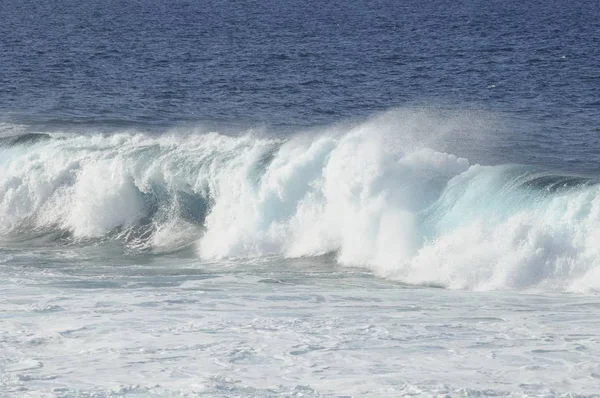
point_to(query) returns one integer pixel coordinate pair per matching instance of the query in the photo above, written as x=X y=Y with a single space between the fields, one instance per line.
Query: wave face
x=403 y=209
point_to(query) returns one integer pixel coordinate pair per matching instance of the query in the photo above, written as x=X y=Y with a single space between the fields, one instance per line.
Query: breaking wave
x=376 y=197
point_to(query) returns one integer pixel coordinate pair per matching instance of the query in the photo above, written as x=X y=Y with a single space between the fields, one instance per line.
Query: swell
x=399 y=207
x=23 y=139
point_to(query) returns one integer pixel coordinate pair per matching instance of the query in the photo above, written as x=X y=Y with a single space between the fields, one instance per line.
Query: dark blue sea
x=276 y=198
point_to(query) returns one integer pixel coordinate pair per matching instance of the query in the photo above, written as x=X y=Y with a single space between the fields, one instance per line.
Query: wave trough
x=403 y=209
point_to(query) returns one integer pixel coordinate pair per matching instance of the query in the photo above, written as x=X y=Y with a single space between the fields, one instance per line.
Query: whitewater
x=367 y=258
x=373 y=195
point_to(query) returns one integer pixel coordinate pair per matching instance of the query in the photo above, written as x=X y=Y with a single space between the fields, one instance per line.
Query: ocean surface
x=303 y=199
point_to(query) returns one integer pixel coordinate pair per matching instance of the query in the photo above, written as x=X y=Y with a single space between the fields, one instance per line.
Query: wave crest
x=407 y=211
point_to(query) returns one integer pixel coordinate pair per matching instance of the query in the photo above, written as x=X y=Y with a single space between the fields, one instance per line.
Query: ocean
x=303 y=199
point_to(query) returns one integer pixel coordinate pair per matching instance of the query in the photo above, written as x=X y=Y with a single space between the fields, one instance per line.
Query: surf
x=373 y=193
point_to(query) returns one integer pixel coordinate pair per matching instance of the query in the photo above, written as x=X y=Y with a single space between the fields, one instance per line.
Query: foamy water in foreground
x=178 y=327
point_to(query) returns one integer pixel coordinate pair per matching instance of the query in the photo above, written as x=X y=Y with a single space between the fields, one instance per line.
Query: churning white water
x=387 y=202
x=359 y=260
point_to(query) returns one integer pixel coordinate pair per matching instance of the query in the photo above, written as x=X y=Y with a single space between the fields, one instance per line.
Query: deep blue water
x=285 y=65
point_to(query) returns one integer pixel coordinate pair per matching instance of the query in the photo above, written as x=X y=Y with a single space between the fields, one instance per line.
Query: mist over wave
x=386 y=194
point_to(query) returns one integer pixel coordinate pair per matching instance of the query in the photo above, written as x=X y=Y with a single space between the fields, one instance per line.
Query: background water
x=150 y=63
x=265 y=198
